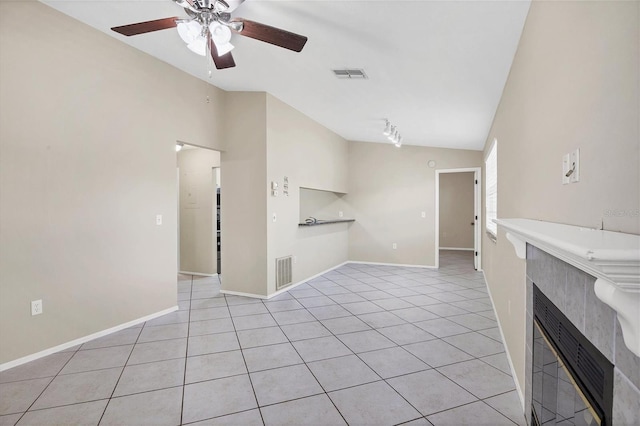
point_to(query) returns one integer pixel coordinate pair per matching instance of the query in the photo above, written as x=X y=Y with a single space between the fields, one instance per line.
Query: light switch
x=575 y=165
x=566 y=168
x=158 y=219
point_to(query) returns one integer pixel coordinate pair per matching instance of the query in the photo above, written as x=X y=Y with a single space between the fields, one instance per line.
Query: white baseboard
x=200 y=274
x=457 y=248
x=82 y=340
x=239 y=293
x=282 y=290
x=391 y=264
x=506 y=348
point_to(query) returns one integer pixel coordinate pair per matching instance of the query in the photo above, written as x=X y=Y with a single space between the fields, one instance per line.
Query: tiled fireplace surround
x=571 y=290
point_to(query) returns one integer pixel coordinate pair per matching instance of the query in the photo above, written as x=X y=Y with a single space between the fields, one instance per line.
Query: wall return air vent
x=350 y=73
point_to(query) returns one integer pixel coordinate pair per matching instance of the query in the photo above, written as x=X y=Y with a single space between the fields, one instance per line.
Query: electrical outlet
x=394 y=246
x=36 y=307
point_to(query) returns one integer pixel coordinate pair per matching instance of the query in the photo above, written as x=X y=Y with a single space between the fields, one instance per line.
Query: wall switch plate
x=340 y=214
x=566 y=166
x=36 y=307
x=158 y=219
x=423 y=214
x=273 y=218
x=394 y=246
x=575 y=164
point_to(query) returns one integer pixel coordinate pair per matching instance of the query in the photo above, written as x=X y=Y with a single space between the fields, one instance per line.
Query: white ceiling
x=436 y=68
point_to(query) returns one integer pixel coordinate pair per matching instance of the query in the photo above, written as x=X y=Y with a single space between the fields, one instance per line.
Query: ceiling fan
x=209 y=28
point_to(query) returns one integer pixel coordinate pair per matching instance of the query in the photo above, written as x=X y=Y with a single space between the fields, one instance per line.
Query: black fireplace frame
x=590 y=369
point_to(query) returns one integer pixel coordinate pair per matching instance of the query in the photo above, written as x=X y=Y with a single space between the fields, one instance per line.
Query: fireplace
x=587 y=283
x=572 y=382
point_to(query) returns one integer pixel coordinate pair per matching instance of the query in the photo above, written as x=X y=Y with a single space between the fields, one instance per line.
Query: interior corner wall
x=197 y=203
x=457 y=210
x=573 y=84
x=389 y=188
x=88 y=127
x=243 y=194
x=310 y=156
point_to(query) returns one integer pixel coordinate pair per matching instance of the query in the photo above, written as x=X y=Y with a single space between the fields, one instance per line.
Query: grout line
x=121 y=373
x=244 y=360
x=186 y=353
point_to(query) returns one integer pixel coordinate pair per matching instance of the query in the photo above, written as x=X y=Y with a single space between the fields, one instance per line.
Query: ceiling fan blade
x=146 y=27
x=271 y=35
x=222 y=62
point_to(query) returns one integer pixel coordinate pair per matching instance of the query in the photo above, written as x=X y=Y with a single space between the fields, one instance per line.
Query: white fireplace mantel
x=612 y=257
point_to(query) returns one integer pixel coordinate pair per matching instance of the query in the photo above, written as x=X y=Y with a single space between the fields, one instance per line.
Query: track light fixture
x=391 y=132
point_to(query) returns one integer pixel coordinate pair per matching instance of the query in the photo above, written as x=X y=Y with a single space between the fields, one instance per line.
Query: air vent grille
x=350 y=73
x=283 y=272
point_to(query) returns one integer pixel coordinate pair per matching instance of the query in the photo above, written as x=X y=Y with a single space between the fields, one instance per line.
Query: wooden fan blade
x=222 y=62
x=271 y=35
x=146 y=27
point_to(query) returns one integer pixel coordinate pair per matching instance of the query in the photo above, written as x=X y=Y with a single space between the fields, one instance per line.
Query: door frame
x=477 y=207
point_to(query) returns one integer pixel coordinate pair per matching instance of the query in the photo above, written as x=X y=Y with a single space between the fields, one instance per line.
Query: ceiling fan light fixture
x=219 y=33
x=189 y=31
x=223 y=49
x=198 y=46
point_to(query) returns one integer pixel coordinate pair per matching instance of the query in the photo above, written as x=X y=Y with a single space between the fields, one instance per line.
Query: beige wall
x=389 y=188
x=311 y=157
x=197 y=203
x=573 y=84
x=87 y=135
x=243 y=194
x=456 y=210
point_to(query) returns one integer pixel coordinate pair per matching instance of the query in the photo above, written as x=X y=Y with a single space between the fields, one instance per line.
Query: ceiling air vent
x=350 y=73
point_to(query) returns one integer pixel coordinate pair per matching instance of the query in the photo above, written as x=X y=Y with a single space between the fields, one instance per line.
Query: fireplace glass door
x=556 y=398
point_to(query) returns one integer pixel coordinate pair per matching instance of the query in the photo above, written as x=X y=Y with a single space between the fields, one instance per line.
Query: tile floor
x=361 y=345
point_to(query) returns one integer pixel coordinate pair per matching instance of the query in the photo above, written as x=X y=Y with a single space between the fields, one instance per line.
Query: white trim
x=477 y=209
x=200 y=274
x=456 y=248
x=393 y=264
x=84 y=339
x=282 y=290
x=506 y=348
x=240 y=293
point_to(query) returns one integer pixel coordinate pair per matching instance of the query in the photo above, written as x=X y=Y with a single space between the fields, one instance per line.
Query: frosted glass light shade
x=199 y=46
x=189 y=31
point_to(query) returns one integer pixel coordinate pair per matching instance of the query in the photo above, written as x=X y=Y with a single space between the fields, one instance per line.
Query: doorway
x=198 y=214
x=458 y=226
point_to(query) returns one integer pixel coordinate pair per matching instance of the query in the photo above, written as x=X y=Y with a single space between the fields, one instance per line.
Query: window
x=491 y=193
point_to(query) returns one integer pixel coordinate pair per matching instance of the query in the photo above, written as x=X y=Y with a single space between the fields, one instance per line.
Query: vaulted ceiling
x=436 y=69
